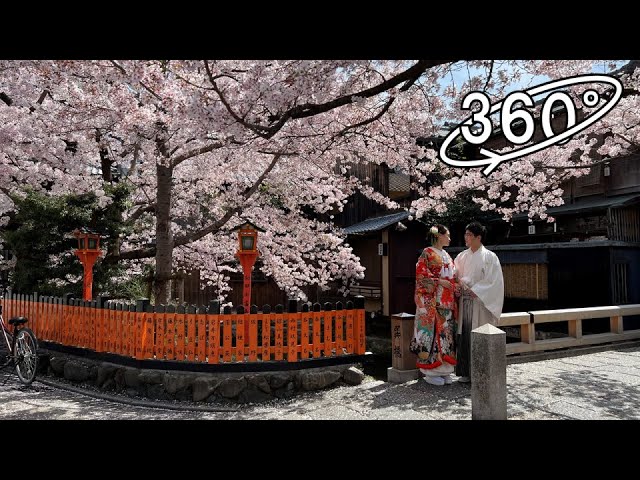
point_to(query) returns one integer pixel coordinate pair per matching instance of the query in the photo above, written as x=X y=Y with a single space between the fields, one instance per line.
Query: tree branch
x=43 y=95
x=138 y=213
x=626 y=139
x=124 y=72
x=192 y=237
x=408 y=77
x=257 y=129
x=369 y=120
x=6 y=191
x=488 y=77
x=6 y=99
x=195 y=152
x=118 y=66
x=131 y=255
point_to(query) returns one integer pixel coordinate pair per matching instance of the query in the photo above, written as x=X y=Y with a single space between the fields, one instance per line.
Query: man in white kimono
x=480 y=276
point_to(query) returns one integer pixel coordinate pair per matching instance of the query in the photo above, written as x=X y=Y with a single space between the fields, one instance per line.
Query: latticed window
x=526 y=280
x=620 y=283
x=624 y=224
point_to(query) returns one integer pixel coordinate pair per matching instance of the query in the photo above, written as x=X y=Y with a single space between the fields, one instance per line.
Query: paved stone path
x=603 y=385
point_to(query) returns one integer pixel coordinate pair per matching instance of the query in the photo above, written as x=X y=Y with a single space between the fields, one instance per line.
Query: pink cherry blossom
x=210 y=144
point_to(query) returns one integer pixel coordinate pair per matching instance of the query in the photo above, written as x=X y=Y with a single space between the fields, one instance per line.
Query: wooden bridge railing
x=196 y=334
x=527 y=322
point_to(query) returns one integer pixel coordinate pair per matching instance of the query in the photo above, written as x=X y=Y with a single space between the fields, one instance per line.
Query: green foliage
x=40 y=236
x=463 y=150
x=461 y=210
x=273 y=196
x=132 y=287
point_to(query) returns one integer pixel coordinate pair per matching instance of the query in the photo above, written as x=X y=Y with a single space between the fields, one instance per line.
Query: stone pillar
x=403 y=362
x=488 y=373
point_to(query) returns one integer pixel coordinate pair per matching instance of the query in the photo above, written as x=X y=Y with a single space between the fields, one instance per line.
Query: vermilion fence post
x=84 y=322
x=227 y=333
x=112 y=327
x=75 y=322
x=190 y=339
x=128 y=319
x=240 y=332
x=253 y=333
x=360 y=325
x=92 y=324
x=350 y=335
x=292 y=330
x=213 y=320
x=58 y=329
x=279 y=340
x=328 y=323
x=141 y=306
x=160 y=332
x=170 y=333
x=339 y=321
x=148 y=333
x=202 y=333
x=305 y=343
x=266 y=333
x=119 y=329
x=40 y=327
x=317 y=323
x=179 y=324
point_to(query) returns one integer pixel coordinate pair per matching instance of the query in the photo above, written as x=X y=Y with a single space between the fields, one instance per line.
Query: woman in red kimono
x=436 y=310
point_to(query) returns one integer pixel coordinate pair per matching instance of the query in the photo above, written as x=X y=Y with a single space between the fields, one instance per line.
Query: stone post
x=403 y=362
x=488 y=373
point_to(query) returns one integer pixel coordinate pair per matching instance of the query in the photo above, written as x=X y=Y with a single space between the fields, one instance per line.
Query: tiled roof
x=376 y=224
x=595 y=203
x=589 y=204
x=399 y=182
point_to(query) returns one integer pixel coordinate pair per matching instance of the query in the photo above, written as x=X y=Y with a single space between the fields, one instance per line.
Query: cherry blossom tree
x=208 y=144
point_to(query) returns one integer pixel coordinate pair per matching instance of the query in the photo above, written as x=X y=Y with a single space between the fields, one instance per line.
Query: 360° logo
x=590 y=98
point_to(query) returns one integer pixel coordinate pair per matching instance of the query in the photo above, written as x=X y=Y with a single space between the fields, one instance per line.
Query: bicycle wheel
x=26 y=355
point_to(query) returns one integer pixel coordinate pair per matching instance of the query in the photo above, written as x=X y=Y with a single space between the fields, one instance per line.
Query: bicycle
x=22 y=346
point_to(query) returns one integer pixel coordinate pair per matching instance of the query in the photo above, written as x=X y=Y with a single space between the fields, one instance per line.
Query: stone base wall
x=249 y=387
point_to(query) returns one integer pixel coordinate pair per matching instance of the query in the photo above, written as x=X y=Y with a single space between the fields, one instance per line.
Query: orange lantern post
x=247 y=254
x=88 y=252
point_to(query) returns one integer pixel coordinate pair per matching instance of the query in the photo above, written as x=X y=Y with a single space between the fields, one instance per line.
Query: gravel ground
x=603 y=385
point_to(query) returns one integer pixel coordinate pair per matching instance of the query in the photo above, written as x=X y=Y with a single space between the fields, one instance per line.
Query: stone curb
x=169 y=386
x=573 y=352
x=134 y=402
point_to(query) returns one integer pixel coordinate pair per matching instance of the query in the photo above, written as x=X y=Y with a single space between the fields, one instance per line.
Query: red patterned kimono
x=436 y=313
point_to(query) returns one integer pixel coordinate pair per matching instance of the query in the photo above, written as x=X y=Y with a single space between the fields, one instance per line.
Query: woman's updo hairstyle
x=434 y=231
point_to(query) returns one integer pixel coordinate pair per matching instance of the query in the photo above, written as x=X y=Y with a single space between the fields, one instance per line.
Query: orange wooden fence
x=195 y=334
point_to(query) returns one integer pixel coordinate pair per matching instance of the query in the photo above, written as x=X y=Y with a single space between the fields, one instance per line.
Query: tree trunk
x=149 y=286
x=164 y=238
x=180 y=294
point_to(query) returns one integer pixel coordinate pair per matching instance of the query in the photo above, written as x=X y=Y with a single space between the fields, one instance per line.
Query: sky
x=527 y=80
x=462 y=74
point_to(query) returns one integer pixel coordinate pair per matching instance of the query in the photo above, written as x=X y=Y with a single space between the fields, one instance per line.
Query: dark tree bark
x=164 y=237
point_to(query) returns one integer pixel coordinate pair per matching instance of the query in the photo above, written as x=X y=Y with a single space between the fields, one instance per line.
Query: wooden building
x=590 y=255
x=388 y=247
